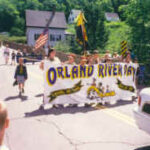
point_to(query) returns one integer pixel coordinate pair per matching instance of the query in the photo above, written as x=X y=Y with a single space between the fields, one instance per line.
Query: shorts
x=20 y=79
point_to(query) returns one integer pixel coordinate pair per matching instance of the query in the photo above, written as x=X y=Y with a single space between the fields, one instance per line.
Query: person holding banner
x=96 y=57
x=128 y=57
x=83 y=61
x=71 y=59
x=52 y=58
x=54 y=61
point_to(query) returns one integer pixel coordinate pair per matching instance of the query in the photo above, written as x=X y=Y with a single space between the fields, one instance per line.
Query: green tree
x=137 y=16
x=8 y=15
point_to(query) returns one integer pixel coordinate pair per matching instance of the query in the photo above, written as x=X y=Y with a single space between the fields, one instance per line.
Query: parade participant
x=54 y=61
x=4 y=123
x=13 y=56
x=96 y=57
x=51 y=58
x=83 y=61
x=18 y=55
x=108 y=53
x=6 y=54
x=115 y=56
x=90 y=60
x=128 y=57
x=21 y=75
x=71 y=59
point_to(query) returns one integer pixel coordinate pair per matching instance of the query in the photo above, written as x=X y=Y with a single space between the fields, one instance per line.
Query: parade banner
x=75 y=84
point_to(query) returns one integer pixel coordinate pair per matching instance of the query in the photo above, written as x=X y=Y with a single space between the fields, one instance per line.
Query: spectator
x=140 y=74
x=13 y=56
x=71 y=59
x=24 y=54
x=4 y=123
x=21 y=75
x=6 y=54
x=18 y=55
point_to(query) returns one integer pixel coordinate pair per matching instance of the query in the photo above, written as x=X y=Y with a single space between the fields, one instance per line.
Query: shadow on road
x=59 y=111
x=119 y=103
x=39 y=95
x=2 y=65
x=22 y=97
x=72 y=110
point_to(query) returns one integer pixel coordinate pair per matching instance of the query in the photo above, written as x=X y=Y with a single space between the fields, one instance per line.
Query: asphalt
x=109 y=127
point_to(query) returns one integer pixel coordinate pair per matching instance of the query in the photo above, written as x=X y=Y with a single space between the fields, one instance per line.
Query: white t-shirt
x=3 y=147
x=56 y=61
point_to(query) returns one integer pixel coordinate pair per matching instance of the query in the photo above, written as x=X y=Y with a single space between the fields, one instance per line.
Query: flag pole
x=84 y=46
x=49 y=22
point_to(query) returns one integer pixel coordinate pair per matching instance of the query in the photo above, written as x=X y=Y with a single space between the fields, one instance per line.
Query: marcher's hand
x=42 y=65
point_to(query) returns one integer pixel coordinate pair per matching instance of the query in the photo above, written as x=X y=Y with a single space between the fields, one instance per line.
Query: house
x=111 y=16
x=36 y=22
x=73 y=15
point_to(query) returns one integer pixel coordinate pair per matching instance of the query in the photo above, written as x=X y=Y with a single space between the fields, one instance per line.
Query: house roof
x=36 y=18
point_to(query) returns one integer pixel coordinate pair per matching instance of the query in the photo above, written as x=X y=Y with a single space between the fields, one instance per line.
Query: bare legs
x=21 y=88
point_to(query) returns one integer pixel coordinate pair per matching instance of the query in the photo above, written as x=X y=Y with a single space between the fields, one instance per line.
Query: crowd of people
x=89 y=59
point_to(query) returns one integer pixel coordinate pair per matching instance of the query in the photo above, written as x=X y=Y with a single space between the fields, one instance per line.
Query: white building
x=36 y=22
x=111 y=16
x=73 y=15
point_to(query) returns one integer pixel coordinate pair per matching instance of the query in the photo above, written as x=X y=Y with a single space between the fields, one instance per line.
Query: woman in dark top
x=21 y=75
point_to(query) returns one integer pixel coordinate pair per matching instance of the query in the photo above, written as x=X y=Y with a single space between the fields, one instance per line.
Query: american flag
x=42 y=39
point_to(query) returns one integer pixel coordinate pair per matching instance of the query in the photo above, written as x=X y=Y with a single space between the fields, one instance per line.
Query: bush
x=62 y=46
x=16 y=39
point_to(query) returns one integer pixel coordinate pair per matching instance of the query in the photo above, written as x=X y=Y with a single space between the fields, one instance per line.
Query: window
x=55 y=37
x=52 y=37
x=36 y=36
x=58 y=37
x=146 y=108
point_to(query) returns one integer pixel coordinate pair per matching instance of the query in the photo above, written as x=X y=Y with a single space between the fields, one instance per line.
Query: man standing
x=4 y=123
x=51 y=58
x=54 y=61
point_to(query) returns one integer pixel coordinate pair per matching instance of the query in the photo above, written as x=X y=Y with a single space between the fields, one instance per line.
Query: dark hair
x=50 y=51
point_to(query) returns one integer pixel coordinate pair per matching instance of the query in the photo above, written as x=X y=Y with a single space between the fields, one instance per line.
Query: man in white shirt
x=4 y=123
x=54 y=61
x=51 y=58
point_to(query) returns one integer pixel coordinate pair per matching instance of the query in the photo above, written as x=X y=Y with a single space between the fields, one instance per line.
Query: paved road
x=95 y=128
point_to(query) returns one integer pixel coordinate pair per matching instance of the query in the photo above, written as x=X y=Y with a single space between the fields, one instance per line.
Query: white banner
x=75 y=84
